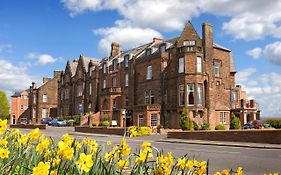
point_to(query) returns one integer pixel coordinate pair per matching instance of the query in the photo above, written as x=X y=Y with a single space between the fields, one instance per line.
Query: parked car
x=46 y=121
x=256 y=124
x=58 y=122
x=248 y=126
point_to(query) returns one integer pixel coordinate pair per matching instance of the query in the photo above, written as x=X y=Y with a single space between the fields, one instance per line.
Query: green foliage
x=104 y=123
x=205 y=126
x=275 y=123
x=185 y=122
x=220 y=127
x=77 y=120
x=70 y=122
x=234 y=122
x=195 y=126
x=160 y=127
x=4 y=106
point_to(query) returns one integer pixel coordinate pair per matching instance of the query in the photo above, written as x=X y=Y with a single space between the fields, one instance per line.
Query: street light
x=123 y=113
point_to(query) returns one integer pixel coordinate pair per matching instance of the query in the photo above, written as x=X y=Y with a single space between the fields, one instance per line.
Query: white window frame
x=126 y=60
x=79 y=91
x=189 y=43
x=190 y=89
x=114 y=64
x=90 y=88
x=181 y=65
x=223 y=117
x=151 y=97
x=104 y=68
x=104 y=84
x=126 y=80
x=200 y=94
x=140 y=120
x=149 y=72
x=233 y=95
x=146 y=98
x=199 y=64
x=44 y=98
x=44 y=113
x=181 y=95
x=34 y=99
x=217 y=65
x=114 y=81
x=162 y=48
x=153 y=119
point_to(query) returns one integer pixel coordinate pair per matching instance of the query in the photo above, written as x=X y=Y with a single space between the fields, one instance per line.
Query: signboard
x=114 y=123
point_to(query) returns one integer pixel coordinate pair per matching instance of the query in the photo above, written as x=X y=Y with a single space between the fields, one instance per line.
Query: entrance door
x=14 y=119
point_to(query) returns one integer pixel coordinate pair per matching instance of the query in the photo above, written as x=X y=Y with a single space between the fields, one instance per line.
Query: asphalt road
x=255 y=161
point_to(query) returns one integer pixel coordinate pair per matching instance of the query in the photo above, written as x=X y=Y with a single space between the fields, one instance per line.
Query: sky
x=38 y=37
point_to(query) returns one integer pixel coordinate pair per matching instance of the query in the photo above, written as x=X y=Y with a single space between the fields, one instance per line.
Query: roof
x=73 y=67
x=221 y=47
x=18 y=93
x=232 y=64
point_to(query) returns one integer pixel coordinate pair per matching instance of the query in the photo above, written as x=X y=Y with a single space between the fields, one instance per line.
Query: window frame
x=217 y=67
x=223 y=118
x=154 y=121
x=115 y=64
x=44 y=98
x=151 y=97
x=199 y=66
x=126 y=61
x=140 y=122
x=181 y=95
x=200 y=94
x=146 y=98
x=114 y=81
x=189 y=91
x=126 y=80
x=181 y=65
x=149 y=72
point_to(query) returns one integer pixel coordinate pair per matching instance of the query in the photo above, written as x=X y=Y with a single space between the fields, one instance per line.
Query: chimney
x=33 y=85
x=115 y=49
x=45 y=79
x=157 y=40
x=57 y=74
x=207 y=40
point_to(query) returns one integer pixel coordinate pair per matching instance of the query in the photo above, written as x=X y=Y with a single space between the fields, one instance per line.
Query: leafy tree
x=234 y=122
x=4 y=106
x=205 y=126
x=185 y=122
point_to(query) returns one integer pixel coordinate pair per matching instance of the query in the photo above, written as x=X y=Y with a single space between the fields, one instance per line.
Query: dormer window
x=126 y=61
x=162 y=47
x=189 y=43
x=114 y=64
x=148 y=52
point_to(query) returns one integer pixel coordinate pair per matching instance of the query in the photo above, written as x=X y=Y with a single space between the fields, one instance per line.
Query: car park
x=46 y=121
x=58 y=122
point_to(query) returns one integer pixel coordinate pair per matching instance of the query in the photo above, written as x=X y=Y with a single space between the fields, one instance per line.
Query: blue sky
x=37 y=37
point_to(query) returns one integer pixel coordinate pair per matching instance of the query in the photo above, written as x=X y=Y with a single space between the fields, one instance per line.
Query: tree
x=4 y=106
x=234 y=122
x=185 y=122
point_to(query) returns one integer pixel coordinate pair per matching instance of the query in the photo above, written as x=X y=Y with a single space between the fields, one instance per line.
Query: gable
x=188 y=33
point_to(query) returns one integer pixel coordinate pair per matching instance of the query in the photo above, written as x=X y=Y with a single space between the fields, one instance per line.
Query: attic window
x=162 y=47
x=126 y=61
x=114 y=64
x=148 y=52
x=189 y=43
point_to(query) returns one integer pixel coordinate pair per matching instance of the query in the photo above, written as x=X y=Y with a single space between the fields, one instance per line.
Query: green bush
x=205 y=126
x=220 y=127
x=104 y=123
x=234 y=122
x=70 y=122
x=77 y=120
x=195 y=126
x=275 y=123
x=4 y=106
x=185 y=122
x=160 y=126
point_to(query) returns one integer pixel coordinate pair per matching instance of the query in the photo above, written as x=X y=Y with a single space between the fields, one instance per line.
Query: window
x=165 y=96
x=24 y=97
x=233 y=95
x=44 y=113
x=149 y=72
x=181 y=95
x=126 y=102
x=188 y=43
x=114 y=104
x=140 y=120
x=34 y=113
x=190 y=94
x=126 y=61
x=21 y=107
x=34 y=99
x=66 y=94
x=45 y=98
x=62 y=80
x=104 y=84
x=126 y=80
x=114 y=64
x=148 y=52
x=217 y=68
x=104 y=68
x=151 y=97
x=91 y=71
x=223 y=117
x=90 y=105
x=181 y=65
x=90 y=88
x=162 y=48
x=199 y=64
x=79 y=91
x=114 y=82
x=154 y=119
x=199 y=93
x=146 y=97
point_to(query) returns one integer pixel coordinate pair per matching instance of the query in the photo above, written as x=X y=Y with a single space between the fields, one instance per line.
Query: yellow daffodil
x=34 y=134
x=189 y=164
x=108 y=143
x=122 y=163
x=3 y=126
x=54 y=172
x=55 y=161
x=43 y=145
x=3 y=142
x=41 y=169
x=85 y=162
x=4 y=153
x=77 y=145
x=239 y=171
x=181 y=163
x=23 y=139
x=65 y=151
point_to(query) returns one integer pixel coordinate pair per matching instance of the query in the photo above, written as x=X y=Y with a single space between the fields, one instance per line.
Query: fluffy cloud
x=265 y=88
x=126 y=35
x=272 y=53
x=255 y=53
x=41 y=59
x=14 y=78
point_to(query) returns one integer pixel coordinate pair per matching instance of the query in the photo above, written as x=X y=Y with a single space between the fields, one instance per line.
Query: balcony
x=111 y=91
x=152 y=107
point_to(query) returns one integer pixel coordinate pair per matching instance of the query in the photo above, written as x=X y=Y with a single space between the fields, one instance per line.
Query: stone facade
x=19 y=107
x=152 y=83
x=43 y=99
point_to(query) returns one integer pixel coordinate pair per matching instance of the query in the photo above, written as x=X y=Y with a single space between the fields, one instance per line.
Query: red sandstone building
x=19 y=107
x=152 y=83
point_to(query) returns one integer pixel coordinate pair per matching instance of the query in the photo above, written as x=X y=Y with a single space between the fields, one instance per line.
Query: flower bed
x=33 y=153
x=29 y=126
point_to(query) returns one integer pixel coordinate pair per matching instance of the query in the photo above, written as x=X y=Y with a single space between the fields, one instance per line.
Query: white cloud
x=42 y=59
x=266 y=90
x=255 y=53
x=14 y=78
x=126 y=35
x=5 y=47
x=272 y=53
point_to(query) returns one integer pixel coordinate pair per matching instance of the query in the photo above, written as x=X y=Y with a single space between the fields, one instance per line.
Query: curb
x=242 y=145
x=87 y=134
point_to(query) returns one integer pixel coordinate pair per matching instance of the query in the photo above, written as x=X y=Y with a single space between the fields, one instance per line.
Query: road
x=254 y=161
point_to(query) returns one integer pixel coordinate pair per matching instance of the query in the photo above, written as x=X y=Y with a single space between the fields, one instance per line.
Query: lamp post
x=124 y=119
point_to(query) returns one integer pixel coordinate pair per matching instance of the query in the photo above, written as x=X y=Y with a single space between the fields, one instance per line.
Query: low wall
x=254 y=136
x=29 y=126
x=101 y=130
